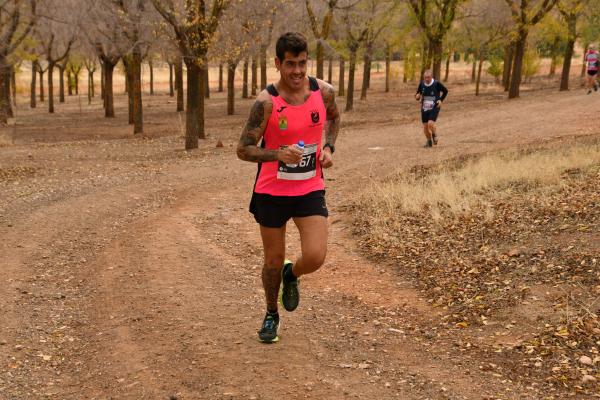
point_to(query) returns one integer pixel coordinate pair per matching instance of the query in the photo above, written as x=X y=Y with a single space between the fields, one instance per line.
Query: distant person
x=431 y=93
x=591 y=61
x=291 y=117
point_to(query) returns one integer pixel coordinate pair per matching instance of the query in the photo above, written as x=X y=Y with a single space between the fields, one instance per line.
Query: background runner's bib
x=428 y=103
x=592 y=61
x=288 y=125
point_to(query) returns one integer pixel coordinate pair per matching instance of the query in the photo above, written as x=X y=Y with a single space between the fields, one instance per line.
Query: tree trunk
x=5 y=102
x=245 y=79
x=350 y=94
x=388 y=61
x=109 y=107
x=447 y=66
x=69 y=82
x=369 y=65
x=102 y=83
x=568 y=56
x=90 y=86
x=230 y=87
x=76 y=76
x=41 y=85
x=366 y=71
x=474 y=68
x=129 y=78
x=341 y=83
x=263 y=68
x=330 y=71
x=254 y=76
x=220 y=78
x=478 y=75
x=13 y=85
x=135 y=89
x=205 y=76
x=194 y=120
x=171 y=85
x=61 y=83
x=509 y=52
x=50 y=88
x=320 y=60
x=179 y=83
x=32 y=94
x=151 y=66
x=437 y=50
x=515 y=80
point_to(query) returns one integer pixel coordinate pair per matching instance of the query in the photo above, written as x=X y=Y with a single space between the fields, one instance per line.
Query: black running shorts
x=592 y=72
x=430 y=115
x=275 y=211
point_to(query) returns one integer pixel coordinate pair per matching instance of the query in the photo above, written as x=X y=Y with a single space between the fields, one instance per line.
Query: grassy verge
x=490 y=237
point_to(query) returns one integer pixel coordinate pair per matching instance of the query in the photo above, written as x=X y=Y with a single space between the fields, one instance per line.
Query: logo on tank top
x=314 y=115
x=283 y=123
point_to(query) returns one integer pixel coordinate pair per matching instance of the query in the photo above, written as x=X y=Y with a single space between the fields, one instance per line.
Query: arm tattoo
x=333 y=114
x=247 y=149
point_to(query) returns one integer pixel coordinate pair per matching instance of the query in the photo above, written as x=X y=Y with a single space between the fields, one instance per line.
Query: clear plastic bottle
x=299 y=145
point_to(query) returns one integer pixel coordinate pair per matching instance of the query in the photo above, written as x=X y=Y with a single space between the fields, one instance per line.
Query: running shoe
x=434 y=138
x=429 y=143
x=595 y=87
x=589 y=91
x=268 y=331
x=290 y=296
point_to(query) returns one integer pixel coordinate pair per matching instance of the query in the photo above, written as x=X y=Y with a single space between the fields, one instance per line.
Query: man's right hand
x=290 y=155
x=417 y=96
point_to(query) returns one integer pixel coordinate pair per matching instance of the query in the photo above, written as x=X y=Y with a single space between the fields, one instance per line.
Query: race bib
x=305 y=169
x=428 y=103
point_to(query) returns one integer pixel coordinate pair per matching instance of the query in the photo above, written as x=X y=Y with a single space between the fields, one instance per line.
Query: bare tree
x=136 y=23
x=486 y=27
x=17 y=18
x=377 y=14
x=435 y=19
x=571 y=11
x=525 y=14
x=355 y=35
x=55 y=41
x=194 y=24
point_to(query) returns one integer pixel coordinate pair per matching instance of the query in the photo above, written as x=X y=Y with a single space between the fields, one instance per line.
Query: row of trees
x=69 y=35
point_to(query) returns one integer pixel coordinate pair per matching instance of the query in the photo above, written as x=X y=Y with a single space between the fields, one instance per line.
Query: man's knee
x=314 y=259
x=431 y=124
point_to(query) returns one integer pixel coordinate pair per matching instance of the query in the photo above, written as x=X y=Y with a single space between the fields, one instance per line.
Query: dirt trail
x=138 y=276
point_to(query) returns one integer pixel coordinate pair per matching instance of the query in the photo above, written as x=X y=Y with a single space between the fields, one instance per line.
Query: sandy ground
x=132 y=268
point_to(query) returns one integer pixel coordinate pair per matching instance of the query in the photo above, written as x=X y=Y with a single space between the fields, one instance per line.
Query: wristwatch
x=331 y=147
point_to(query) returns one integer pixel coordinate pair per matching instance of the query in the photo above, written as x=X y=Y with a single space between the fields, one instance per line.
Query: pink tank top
x=591 y=59
x=287 y=126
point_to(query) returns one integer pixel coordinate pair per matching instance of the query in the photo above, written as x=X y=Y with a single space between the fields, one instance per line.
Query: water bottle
x=300 y=145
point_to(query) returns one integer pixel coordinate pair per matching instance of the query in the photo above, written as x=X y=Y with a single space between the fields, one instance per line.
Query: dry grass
x=454 y=191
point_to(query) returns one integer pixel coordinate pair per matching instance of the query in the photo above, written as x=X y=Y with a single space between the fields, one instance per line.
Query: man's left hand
x=326 y=158
x=439 y=104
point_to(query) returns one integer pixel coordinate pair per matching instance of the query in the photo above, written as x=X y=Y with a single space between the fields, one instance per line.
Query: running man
x=431 y=94
x=290 y=117
x=591 y=61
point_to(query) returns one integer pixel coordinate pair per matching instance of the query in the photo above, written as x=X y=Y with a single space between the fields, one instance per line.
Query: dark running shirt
x=431 y=94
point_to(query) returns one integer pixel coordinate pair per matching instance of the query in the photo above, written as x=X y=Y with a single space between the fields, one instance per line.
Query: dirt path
x=134 y=269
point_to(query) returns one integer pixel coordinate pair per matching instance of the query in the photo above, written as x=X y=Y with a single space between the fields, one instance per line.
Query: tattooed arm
x=248 y=150
x=332 y=125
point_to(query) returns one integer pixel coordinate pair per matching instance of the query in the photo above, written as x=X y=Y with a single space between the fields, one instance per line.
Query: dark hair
x=294 y=42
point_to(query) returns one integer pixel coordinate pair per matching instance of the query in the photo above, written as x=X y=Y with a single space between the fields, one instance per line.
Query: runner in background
x=431 y=93
x=591 y=61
